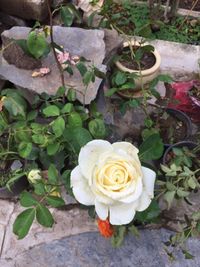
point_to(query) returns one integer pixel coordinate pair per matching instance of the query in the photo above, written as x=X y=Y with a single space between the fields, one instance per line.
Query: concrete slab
x=92 y=250
x=6 y=209
x=2 y=233
x=181 y=61
x=66 y=223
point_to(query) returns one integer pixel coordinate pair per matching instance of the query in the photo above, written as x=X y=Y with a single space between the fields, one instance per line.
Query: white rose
x=88 y=7
x=110 y=176
x=34 y=176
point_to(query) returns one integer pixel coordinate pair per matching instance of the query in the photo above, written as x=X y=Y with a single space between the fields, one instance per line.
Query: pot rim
x=146 y=72
x=179 y=144
x=185 y=118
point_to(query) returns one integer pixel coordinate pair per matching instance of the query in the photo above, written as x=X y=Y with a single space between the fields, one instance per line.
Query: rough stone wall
x=26 y=9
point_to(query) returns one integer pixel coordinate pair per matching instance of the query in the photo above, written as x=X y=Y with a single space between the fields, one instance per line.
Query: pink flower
x=63 y=57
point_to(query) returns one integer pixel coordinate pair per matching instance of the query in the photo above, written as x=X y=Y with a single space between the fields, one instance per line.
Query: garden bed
x=101 y=149
x=134 y=18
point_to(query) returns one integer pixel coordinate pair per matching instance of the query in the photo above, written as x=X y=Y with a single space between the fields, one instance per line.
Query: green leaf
x=170 y=186
x=69 y=70
x=67 y=16
x=23 y=44
x=44 y=216
x=187 y=255
x=27 y=200
x=148 y=132
x=38 y=139
x=23 y=223
x=74 y=120
x=169 y=197
x=133 y=229
x=196 y=215
x=120 y=78
x=66 y=180
x=97 y=128
x=111 y=91
x=58 y=126
x=32 y=115
x=39 y=189
x=152 y=148
x=76 y=12
x=71 y=95
x=99 y=73
x=177 y=151
x=118 y=237
x=148 y=123
x=52 y=149
x=77 y=137
x=23 y=134
x=61 y=91
x=164 y=78
x=150 y=214
x=192 y=183
x=182 y=193
x=51 y=111
x=88 y=77
x=55 y=202
x=67 y=108
x=15 y=105
x=24 y=149
x=82 y=68
x=90 y=19
x=37 y=44
x=52 y=174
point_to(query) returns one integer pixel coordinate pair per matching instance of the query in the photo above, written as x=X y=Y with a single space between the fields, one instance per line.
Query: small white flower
x=110 y=176
x=34 y=176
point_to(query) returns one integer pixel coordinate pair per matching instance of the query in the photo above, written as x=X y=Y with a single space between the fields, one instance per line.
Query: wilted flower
x=41 y=72
x=74 y=60
x=34 y=176
x=105 y=228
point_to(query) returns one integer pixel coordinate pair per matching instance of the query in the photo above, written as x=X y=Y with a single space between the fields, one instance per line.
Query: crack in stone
x=5 y=231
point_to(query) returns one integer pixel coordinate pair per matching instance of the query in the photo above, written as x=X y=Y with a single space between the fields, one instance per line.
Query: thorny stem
x=52 y=42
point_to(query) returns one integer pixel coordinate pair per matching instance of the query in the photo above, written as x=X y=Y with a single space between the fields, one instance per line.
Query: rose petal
x=149 y=177
x=80 y=187
x=126 y=147
x=89 y=155
x=143 y=202
x=101 y=210
x=135 y=195
x=122 y=213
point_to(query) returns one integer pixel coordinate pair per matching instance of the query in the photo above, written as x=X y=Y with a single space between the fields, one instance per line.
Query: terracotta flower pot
x=147 y=75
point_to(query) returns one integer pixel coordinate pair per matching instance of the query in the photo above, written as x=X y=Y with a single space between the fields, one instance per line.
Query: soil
x=172 y=130
x=14 y=55
x=147 y=61
x=187 y=4
x=195 y=92
x=4 y=171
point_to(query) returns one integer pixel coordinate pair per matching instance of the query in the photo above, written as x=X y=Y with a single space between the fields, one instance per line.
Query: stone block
x=6 y=209
x=87 y=43
x=67 y=223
